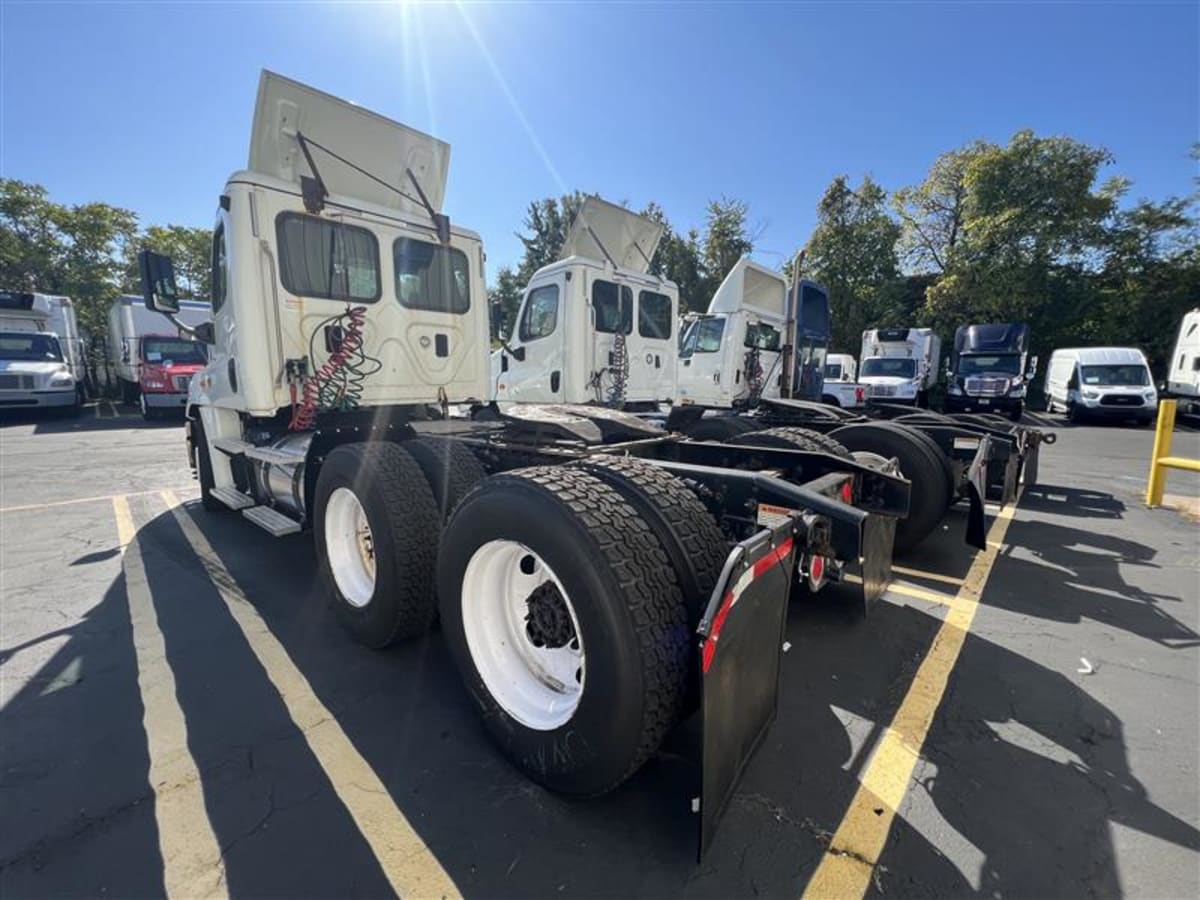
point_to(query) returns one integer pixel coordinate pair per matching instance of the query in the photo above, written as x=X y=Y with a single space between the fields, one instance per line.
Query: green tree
x=932 y=213
x=726 y=239
x=678 y=260
x=73 y=250
x=852 y=252
x=32 y=245
x=547 y=223
x=189 y=248
x=507 y=292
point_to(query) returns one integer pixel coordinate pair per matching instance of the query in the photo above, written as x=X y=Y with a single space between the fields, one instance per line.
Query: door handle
x=555 y=378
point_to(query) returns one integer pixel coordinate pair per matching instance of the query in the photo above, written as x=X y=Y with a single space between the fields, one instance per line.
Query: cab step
x=271 y=520
x=232 y=497
x=235 y=447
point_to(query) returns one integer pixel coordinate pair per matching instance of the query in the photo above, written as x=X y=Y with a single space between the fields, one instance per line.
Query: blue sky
x=148 y=105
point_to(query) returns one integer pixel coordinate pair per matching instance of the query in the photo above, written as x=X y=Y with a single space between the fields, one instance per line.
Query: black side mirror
x=158 y=282
x=518 y=353
x=205 y=333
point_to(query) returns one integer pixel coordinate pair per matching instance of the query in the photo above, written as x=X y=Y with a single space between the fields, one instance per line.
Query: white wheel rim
x=539 y=686
x=350 y=547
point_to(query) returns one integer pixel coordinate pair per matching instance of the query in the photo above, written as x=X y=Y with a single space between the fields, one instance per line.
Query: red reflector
x=847 y=492
x=816 y=569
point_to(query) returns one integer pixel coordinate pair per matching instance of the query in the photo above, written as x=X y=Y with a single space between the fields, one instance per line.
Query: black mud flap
x=741 y=636
x=977 y=493
x=1029 y=475
x=878 y=535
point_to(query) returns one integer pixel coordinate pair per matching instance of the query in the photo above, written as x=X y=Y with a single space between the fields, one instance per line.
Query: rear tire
x=688 y=533
x=930 y=495
x=788 y=438
x=562 y=539
x=376 y=525
x=450 y=468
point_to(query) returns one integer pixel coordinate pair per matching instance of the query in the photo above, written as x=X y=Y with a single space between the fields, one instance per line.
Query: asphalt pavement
x=158 y=698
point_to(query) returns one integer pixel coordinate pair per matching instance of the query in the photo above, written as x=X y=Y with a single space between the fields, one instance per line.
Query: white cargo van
x=1101 y=382
x=1183 y=378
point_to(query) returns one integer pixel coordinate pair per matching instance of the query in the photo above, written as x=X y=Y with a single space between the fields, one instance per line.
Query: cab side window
x=654 y=315
x=614 y=307
x=220 y=268
x=540 y=317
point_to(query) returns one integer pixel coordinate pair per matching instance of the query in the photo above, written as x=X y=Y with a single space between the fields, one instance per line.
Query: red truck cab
x=167 y=366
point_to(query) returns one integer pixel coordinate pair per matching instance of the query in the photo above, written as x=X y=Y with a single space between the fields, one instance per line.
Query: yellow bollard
x=1162 y=449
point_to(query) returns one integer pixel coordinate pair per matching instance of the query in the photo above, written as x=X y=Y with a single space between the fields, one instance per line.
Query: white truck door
x=652 y=347
x=701 y=361
x=540 y=337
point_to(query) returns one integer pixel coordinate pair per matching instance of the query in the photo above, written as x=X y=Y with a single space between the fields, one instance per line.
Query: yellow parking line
x=109 y=497
x=408 y=863
x=849 y=862
x=191 y=855
x=927 y=576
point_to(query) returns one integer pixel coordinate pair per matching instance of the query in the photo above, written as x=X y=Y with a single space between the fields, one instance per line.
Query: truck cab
x=990 y=370
x=733 y=355
x=594 y=326
x=166 y=366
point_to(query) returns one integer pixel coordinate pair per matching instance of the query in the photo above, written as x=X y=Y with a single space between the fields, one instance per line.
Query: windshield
x=30 y=347
x=175 y=351
x=704 y=336
x=992 y=364
x=833 y=371
x=1132 y=375
x=881 y=367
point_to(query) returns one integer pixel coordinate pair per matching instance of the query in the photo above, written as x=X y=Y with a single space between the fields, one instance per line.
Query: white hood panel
x=376 y=144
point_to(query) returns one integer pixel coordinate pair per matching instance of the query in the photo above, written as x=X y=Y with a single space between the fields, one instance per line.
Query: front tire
x=567 y=624
x=376 y=526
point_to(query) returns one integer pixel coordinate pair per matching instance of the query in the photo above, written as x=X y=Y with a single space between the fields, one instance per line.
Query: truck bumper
x=164 y=400
x=956 y=403
x=35 y=399
x=1117 y=413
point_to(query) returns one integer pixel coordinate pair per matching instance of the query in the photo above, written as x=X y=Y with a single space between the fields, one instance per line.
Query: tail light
x=848 y=491
x=859 y=393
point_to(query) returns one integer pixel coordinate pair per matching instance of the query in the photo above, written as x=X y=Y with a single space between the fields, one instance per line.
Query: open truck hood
x=373 y=143
x=629 y=239
x=752 y=288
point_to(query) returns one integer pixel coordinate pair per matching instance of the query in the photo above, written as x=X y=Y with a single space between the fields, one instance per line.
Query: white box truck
x=1183 y=376
x=35 y=368
x=153 y=361
x=899 y=365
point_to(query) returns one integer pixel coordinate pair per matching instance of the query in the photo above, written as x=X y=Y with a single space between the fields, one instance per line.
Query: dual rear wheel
x=568 y=595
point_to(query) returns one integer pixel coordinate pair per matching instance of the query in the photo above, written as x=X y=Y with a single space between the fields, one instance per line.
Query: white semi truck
x=1183 y=376
x=594 y=327
x=900 y=365
x=597 y=578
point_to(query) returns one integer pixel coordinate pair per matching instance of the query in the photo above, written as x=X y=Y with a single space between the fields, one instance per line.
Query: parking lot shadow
x=75 y=798
x=1068 y=574
x=496 y=833
x=1023 y=775
x=1069 y=501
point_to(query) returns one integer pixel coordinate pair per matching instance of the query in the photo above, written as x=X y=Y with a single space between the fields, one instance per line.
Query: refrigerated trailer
x=900 y=365
x=597 y=578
